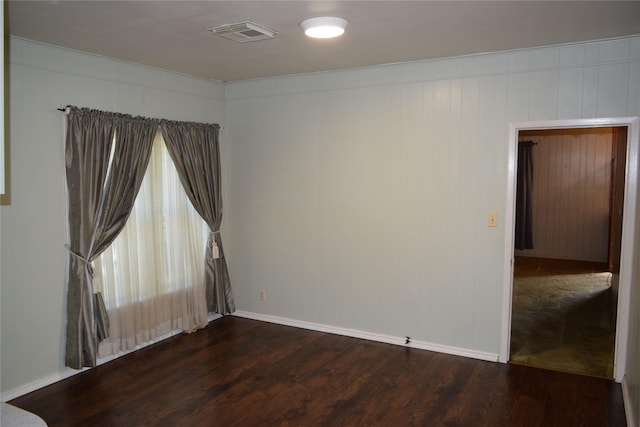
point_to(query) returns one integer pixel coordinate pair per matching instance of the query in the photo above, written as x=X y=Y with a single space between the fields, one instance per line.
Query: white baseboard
x=68 y=372
x=628 y=405
x=39 y=383
x=354 y=333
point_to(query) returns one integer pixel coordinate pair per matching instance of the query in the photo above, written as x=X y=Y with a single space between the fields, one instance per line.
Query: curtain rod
x=67 y=110
x=530 y=142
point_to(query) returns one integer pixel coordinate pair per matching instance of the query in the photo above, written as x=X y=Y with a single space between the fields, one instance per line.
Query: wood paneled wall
x=359 y=198
x=571 y=193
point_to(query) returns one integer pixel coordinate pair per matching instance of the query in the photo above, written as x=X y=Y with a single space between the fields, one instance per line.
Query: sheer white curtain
x=152 y=277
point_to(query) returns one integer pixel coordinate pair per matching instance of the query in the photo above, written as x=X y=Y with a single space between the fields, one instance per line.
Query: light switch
x=493 y=219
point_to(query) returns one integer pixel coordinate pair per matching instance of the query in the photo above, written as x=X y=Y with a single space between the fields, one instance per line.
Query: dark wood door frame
x=618 y=169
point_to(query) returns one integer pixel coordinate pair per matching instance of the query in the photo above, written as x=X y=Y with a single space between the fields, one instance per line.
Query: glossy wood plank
x=249 y=373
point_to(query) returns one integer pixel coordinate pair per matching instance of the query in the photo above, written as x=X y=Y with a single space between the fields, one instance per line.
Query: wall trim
x=37 y=384
x=628 y=405
x=68 y=372
x=474 y=65
x=371 y=336
x=150 y=77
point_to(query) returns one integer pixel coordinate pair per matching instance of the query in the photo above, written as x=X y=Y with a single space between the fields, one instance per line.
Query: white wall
x=43 y=78
x=359 y=198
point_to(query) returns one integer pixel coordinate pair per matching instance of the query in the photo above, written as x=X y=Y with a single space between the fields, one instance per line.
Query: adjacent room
x=211 y=214
x=568 y=244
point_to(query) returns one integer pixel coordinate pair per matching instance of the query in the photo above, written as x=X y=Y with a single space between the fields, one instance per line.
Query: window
x=152 y=277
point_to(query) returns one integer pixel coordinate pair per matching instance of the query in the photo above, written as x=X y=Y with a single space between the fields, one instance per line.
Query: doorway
x=564 y=300
x=616 y=286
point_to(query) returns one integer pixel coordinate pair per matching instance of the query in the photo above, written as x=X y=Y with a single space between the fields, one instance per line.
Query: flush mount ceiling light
x=324 y=27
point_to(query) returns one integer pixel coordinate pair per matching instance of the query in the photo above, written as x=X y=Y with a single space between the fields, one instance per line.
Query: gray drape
x=524 y=208
x=195 y=151
x=103 y=180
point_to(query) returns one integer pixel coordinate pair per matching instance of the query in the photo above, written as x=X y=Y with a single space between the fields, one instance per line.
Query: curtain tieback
x=215 y=251
x=77 y=256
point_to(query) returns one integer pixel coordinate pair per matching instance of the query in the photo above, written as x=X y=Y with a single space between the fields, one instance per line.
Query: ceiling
x=173 y=34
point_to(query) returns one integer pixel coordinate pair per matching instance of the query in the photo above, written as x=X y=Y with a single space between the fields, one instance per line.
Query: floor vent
x=243 y=32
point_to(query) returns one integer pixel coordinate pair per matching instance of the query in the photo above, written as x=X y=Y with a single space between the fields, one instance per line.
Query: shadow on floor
x=563 y=316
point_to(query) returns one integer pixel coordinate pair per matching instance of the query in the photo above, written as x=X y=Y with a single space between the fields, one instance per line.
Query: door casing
x=628 y=227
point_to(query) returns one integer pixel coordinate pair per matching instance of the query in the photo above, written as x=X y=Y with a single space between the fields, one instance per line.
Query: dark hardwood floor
x=240 y=372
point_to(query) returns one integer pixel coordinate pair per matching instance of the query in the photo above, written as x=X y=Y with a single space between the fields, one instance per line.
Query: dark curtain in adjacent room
x=524 y=217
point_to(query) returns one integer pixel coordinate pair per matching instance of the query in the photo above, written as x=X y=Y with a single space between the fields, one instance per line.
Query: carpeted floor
x=563 y=316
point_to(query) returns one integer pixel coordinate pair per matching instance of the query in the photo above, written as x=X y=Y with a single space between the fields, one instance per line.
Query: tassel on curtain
x=103 y=180
x=524 y=209
x=195 y=151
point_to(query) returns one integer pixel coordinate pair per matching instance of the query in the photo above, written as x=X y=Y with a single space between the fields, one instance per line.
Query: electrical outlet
x=262 y=295
x=493 y=219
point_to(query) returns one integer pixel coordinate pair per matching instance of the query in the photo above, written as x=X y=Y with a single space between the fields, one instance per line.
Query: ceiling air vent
x=243 y=32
